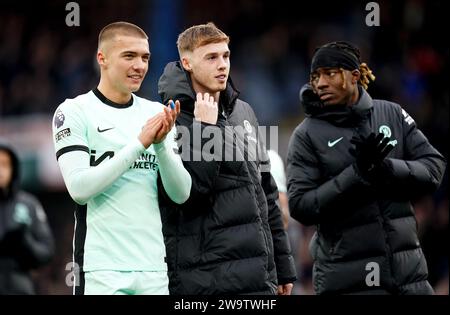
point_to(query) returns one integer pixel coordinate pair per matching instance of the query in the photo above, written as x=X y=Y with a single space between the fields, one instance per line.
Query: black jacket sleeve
x=39 y=241
x=422 y=168
x=309 y=197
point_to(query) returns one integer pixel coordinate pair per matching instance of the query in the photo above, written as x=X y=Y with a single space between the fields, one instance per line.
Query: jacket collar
x=341 y=115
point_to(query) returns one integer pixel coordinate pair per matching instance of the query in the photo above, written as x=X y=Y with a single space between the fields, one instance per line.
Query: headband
x=328 y=57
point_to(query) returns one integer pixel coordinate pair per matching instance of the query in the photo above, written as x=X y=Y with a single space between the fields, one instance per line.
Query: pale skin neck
x=200 y=89
x=112 y=94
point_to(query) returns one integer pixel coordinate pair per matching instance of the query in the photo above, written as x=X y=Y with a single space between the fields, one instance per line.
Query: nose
x=139 y=64
x=223 y=64
x=322 y=82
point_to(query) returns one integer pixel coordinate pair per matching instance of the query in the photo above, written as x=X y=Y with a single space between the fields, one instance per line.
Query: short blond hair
x=120 y=28
x=200 y=35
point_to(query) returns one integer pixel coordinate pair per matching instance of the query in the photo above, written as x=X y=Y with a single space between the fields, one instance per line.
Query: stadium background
x=43 y=62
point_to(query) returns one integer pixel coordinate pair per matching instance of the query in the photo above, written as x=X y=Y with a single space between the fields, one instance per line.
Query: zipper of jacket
x=389 y=254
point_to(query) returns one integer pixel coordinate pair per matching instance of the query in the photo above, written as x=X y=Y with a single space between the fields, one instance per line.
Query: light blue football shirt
x=120 y=228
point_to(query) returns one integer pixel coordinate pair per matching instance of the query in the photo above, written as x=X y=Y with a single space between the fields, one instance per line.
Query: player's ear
x=185 y=61
x=356 y=75
x=101 y=58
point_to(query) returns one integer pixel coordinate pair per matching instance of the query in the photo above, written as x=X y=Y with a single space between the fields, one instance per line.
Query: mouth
x=325 y=96
x=221 y=77
x=135 y=77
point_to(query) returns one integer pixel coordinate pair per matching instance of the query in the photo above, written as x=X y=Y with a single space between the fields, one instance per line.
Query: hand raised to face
x=206 y=109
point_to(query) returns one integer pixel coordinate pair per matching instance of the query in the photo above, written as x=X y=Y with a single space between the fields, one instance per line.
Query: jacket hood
x=341 y=115
x=14 y=184
x=175 y=83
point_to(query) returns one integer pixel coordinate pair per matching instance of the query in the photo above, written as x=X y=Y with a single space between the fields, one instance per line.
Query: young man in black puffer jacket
x=228 y=238
x=353 y=166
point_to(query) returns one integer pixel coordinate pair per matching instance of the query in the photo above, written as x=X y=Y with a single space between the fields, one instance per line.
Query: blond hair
x=200 y=35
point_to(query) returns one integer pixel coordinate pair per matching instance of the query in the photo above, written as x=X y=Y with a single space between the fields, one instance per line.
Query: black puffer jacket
x=228 y=236
x=358 y=223
x=25 y=238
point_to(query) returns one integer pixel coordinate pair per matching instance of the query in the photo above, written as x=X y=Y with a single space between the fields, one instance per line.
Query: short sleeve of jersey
x=69 y=129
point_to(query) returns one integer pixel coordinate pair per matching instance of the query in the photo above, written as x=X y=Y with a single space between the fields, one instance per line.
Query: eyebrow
x=129 y=52
x=218 y=53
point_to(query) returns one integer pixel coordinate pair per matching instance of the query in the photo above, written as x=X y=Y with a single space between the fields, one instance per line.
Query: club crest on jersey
x=59 y=118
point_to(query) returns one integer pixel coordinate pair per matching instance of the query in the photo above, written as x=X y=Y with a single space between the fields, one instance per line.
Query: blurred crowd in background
x=43 y=62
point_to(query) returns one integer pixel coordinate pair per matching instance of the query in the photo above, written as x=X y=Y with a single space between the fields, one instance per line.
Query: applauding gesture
x=157 y=127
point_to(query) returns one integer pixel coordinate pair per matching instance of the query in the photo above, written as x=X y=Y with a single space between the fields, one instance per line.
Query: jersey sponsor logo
x=333 y=143
x=96 y=161
x=62 y=134
x=103 y=130
x=58 y=121
x=146 y=161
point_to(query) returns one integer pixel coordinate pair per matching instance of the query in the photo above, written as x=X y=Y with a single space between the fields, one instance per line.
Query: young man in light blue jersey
x=111 y=146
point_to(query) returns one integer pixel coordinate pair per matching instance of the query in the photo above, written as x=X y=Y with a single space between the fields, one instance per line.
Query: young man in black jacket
x=228 y=238
x=26 y=241
x=353 y=165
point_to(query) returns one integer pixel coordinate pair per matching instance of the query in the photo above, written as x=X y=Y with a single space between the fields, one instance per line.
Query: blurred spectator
x=25 y=238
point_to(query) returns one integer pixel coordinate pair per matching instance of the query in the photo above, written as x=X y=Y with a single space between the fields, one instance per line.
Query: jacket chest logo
x=387 y=134
x=333 y=143
x=22 y=214
x=248 y=126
